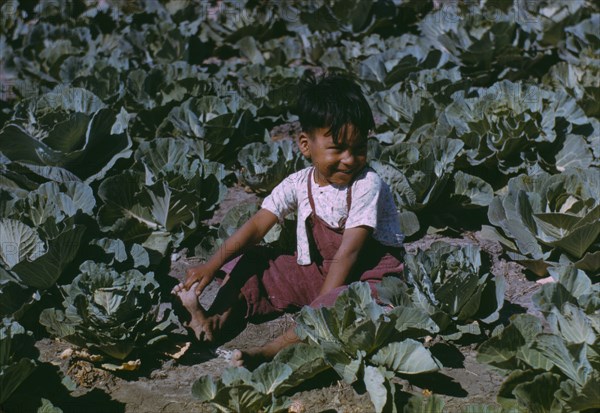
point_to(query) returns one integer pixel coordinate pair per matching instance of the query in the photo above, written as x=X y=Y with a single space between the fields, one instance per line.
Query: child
x=347 y=229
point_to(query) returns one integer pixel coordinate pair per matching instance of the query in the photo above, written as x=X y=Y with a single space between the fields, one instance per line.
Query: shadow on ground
x=45 y=383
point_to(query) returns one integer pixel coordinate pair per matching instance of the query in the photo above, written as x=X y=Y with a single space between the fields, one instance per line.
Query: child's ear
x=303 y=144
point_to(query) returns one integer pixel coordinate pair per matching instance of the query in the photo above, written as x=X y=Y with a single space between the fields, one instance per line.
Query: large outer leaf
x=538 y=394
x=44 y=271
x=375 y=384
x=501 y=350
x=576 y=398
x=306 y=361
x=572 y=324
x=18 y=242
x=414 y=321
x=268 y=377
x=206 y=388
x=575 y=153
x=120 y=194
x=13 y=375
x=505 y=396
x=347 y=366
x=512 y=227
x=572 y=360
x=406 y=357
x=169 y=208
x=471 y=190
x=15 y=346
x=575 y=281
x=89 y=155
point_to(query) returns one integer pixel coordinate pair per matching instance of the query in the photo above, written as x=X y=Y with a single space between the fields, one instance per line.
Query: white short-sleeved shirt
x=372 y=205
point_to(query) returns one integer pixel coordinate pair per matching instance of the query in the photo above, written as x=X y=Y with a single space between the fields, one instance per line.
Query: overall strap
x=310 y=197
x=349 y=196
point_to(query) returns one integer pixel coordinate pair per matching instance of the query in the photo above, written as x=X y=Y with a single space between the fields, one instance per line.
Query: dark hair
x=332 y=102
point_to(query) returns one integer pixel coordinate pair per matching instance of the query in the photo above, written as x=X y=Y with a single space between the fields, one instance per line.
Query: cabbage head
x=552 y=218
x=265 y=165
x=454 y=286
x=108 y=311
x=510 y=128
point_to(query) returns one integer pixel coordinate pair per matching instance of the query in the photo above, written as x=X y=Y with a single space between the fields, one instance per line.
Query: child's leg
x=255 y=356
x=258 y=285
x=306 y=284
x=283 y=286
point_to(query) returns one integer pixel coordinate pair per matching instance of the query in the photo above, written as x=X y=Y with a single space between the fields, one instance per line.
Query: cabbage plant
x=508 y=128
x=115 y=313
x=262 y=390
x=362 y=340
x=423 y=178
x=68 y=128
x=554 y=370
x=454 y=286
x=357 y=337
x=41 y=231
x=265 y=165
x=162 y=199
x=551 y=218
x=418 y=173
x=221 y=123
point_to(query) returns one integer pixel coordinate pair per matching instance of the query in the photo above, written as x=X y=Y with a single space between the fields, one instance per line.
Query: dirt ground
x=164 y=384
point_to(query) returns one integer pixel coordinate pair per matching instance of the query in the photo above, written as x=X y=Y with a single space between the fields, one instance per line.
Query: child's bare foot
x=250 y=359
x=206 y=328
x=199 y=322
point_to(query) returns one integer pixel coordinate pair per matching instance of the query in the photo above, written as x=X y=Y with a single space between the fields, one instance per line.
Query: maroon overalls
x=274 y=283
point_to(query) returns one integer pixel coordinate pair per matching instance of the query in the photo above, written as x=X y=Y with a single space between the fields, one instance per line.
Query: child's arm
x=249 y=234
x=345 y=257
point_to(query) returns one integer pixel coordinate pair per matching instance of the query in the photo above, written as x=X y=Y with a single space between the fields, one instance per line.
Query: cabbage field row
x=123 y=123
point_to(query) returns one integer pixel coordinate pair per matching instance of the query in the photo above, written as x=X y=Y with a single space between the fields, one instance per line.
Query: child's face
x=335 y=164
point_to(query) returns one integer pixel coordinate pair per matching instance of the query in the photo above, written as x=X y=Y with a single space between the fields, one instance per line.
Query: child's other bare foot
x=250 y=359
x=255 y=356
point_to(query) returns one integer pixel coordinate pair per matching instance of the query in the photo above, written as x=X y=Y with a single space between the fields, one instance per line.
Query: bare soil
x=163 y=384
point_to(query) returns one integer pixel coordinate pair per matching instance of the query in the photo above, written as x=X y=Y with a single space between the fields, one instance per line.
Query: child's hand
x=201 y=273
